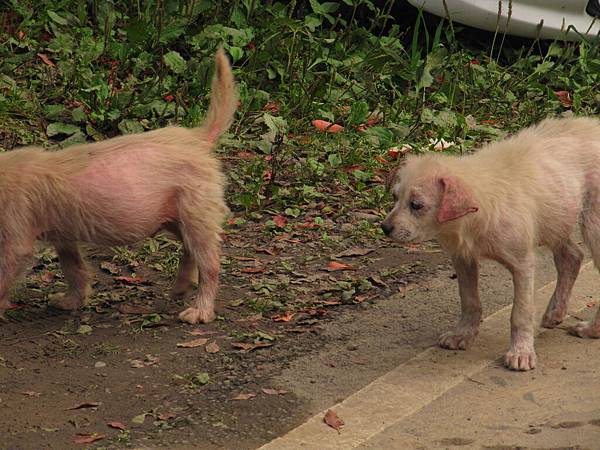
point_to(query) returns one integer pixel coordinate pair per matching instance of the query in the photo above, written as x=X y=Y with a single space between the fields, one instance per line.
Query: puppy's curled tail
x=223 y=100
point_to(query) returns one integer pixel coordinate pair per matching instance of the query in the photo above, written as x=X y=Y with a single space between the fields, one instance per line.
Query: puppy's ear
x=456 y=200
x=390 y=178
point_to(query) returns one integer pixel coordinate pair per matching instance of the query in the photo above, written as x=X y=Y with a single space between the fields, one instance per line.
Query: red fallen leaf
x=246 y=347
x=47 y=277
x=129 y=280
x=488 y=121
x=381 y=160
x=474 y=62
x=280 y=221
x=274 y=107
x=14 y=306
x=328 y=127
x=125 y=308
x=373 y=121
x=21 y=35
x=252 y=270
x=268 y=158
x=193 y=343
x=87 y=438
x=361 y=128
x=267 y=175
x=330 y=303
x=244 y=396
x=591 y=304
x=31 y=393
x=169 y=98
x=117 y=425
x=85 y=405
x=332 y=419
x=45 y=59
x=251 y=45
x=284 y=317
x=167 y=416
x=565 y=98
x=334 y=266
x=274 y=391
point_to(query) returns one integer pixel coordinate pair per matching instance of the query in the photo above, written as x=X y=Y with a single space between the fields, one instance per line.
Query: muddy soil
x=295 y=333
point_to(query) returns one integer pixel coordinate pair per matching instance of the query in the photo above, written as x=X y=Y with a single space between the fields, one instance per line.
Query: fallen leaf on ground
x=334 y=265
x=591 y=304
x=252 y=270
x=274 y=391
x=117 y=425
x=212 y=347
x=129 y=280
x=167 y=416
x=244 y=396
x=330 y=303
x=87 y=438
x=247 y=347
x=268 y=251
x=565 y=98
x=332 y=419
x=31 y=393
x=355 y=251
x=140 y=419
x=284 y=317
x=136 y=363
x=45 y=59
x=126 y=308
x=47 y=277
x=194 y=343
x=200 y=332
x=109 y=267
x=85 y=405
x=280 y=221
x=323 y=125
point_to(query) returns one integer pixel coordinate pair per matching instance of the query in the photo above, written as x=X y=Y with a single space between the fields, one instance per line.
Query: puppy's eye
x=415 y=205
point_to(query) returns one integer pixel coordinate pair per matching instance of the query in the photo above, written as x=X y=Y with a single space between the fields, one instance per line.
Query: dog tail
x=223 y=100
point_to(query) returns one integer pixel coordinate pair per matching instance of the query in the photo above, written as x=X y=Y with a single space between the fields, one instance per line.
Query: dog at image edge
x=500 y=203
x=118 y=192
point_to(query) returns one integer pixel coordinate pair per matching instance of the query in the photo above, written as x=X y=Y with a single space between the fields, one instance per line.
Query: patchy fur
x=499 y=203
x=118 y=192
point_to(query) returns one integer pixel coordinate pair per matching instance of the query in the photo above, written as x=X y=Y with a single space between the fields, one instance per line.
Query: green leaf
x=58 y=19
x=276 y=124
x=57 y=128
x=84 y=329
x=201 y=378
x=312 y=22
x=139 y=420
x=175 y=62
x=358 y=113
x=128 y=126
x=334 y=160
x=236 y=53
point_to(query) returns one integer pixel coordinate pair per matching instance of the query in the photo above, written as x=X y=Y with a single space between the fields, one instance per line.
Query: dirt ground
x=115 y=377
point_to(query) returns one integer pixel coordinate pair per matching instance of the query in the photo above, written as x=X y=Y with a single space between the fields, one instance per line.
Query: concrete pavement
x=447 y=399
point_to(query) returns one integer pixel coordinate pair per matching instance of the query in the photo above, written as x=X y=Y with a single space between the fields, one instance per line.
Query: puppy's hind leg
x=591 y=235
x=463 y=335
x=76 y=274
x=15 y=252
x=187 y=276
x=567 y=259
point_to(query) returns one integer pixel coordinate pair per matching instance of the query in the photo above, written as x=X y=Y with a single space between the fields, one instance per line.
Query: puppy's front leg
x=521 y=355
x=467 y=272
x=15 y=252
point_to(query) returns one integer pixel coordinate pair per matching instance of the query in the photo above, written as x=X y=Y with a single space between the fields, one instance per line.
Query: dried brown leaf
x=88 y=438
x=248 y=347
x=85 y=405
x=244 y=396
x=212 y=347
x=117 y=425
x=193 y=343
x=332 y=419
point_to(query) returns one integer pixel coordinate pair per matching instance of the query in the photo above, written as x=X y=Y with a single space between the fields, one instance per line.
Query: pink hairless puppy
x=500 y=203
x=118 y=192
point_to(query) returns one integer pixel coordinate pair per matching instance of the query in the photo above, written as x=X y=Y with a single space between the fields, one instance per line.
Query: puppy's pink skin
x=500 y=203
x=118 y=192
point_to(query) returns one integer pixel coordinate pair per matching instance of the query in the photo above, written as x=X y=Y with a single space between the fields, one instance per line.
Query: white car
x=546 y=19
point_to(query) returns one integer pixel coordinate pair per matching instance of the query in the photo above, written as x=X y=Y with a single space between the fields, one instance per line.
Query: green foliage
x=73 y=71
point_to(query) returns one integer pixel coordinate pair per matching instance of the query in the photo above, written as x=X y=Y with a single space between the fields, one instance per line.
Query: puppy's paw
x=585 y=330
x=195 y=315
x=520 y=360
x=459 y=339
x=552 y=319
x=65 y=301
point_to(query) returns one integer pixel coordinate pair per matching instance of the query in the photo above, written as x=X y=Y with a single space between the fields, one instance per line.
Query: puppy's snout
x=387 y=228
